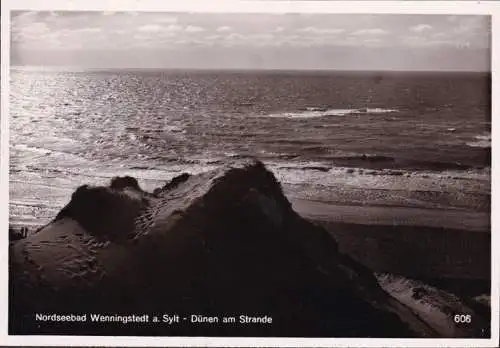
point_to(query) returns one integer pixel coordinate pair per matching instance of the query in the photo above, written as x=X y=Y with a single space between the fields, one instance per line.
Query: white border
x=236 y=6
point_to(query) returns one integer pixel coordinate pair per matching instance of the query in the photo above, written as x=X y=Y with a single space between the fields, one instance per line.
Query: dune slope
x=222 y=243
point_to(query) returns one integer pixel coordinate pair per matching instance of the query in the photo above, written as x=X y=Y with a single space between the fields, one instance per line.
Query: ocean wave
x=315 y=180
x=35 y=149
x=162 y=129
x=65 y=156
x=313 y=150
x=425 y=189
x=375 y=161
x=314 y=112
x=34 y=203
x=481 y=174
x=308 y=167
x=481 y=140
x=317 y=157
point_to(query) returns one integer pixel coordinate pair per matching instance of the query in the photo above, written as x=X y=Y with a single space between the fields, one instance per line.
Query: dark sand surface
x=396 y=216
x=418 y=243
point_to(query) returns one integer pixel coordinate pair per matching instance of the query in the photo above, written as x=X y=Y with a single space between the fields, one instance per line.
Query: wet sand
x=412 y=242
x=393 y=216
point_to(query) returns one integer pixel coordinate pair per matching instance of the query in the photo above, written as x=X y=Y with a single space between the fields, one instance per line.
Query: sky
x=250 y=41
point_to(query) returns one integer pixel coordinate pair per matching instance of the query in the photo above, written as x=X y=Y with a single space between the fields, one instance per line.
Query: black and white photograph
x=250 y=174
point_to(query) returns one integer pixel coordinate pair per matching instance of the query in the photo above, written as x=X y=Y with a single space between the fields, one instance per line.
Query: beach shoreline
x=456 y=219
x=411 y=269
x=412 y=242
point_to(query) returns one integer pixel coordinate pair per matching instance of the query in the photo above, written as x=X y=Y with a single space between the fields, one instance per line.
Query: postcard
x=265 y=173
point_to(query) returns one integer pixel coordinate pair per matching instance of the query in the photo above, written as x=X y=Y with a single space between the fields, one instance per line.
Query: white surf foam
x=320 y=173
x=321 y=112
x=481 y=140
x=27 y=151
x=379 y=111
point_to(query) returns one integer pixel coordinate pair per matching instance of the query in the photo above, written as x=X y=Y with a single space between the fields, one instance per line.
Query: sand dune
x=221 y=243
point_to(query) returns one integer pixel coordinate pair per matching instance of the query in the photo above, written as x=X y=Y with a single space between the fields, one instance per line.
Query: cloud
x=156 y=28
x=36 y=28
x=314 y=30
x=128 y=30
x=439 y=35
x=297 y=39
x=436 y=41
x=470 y=31
x=213 y=37
x=261 y=36
x=372 y=40
x=166 y=20
x=421 y=28
x=24 y=16
x=223 y=29
x=150 y=28
x=234 y=37
x=374 y=31
x=88 y=30
x=471 y=24
x=193 y=29
x=34 y=31
x=251 y=40
x=38 y=35
x=173 y=27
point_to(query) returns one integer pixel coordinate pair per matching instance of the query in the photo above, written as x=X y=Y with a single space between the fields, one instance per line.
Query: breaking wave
x=314 y=112
x=482 y=140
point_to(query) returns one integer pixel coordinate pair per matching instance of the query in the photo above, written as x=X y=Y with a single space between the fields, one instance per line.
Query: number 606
x=462 y=318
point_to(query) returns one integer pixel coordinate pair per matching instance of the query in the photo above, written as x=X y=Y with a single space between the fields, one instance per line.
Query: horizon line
x=86 y=68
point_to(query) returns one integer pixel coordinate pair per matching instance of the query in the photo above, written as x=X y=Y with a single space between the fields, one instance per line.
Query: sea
x=393 y=139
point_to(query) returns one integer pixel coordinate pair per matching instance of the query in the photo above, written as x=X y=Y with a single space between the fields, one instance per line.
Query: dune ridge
x=225 y=242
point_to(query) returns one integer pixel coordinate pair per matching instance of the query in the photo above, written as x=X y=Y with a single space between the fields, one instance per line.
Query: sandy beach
x=213 y=224
x=418 y=243
x=413 y=242
x=396 y=216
